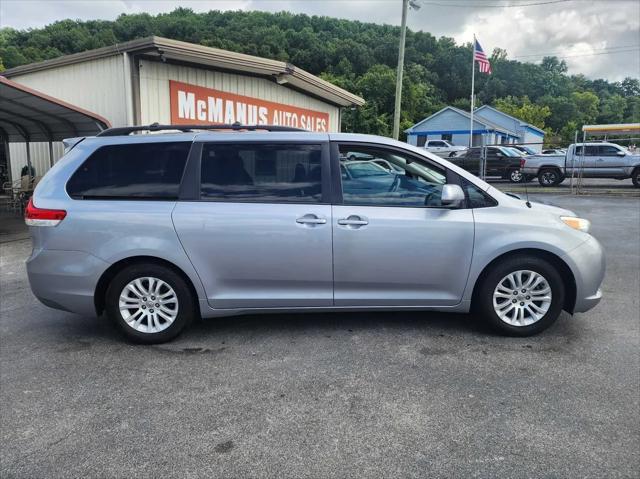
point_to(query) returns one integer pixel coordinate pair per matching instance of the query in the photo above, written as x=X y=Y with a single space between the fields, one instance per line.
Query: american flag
x=483 y=62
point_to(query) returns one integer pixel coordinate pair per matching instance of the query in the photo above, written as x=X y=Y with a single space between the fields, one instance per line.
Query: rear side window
x=137 y=171
x=261 y=173
x=590 y=150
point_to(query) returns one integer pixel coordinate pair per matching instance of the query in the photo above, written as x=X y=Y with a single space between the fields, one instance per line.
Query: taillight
x=42 y=217
x=522 y=162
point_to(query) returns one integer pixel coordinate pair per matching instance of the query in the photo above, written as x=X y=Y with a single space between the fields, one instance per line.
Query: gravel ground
x=328 y=395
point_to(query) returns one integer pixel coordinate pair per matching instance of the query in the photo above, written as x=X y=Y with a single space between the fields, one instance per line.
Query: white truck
x=443 y=148
x=591 y=160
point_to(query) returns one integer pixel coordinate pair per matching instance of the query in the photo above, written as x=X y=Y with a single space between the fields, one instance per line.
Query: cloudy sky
x=599 y=38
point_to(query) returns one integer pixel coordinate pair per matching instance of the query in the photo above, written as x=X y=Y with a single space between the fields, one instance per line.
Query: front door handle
x=311 y=219
x=353 y=221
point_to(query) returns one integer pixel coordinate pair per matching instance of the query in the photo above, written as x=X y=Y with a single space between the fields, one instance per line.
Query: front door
x=495 y=162
x=393 y=242
x=610 y=161
x=259 y=231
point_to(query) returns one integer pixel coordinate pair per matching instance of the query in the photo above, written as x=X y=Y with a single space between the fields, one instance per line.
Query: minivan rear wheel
x=521 y=296
x=149 y=303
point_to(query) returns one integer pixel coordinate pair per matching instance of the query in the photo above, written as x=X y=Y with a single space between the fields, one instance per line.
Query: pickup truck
x=596 y=160
x=443 y=148
x=501 y=161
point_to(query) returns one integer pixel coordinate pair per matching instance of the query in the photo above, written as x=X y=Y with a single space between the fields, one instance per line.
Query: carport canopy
x=612 y=129
x=28 y=115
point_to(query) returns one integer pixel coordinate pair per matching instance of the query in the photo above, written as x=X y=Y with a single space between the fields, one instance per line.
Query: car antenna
x=524 y=180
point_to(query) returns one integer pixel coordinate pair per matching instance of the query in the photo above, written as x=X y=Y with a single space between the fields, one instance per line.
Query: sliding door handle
x=353 y=221
x=311 y=219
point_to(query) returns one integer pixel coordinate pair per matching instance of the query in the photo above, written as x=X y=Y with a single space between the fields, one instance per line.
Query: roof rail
x=126 y=130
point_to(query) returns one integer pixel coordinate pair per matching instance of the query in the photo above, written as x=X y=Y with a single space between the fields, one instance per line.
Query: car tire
x=515 y=176
x=635 y=177
x=452 y=154
x=549 y=177
x=162 y=303
x=352 y=158
x=525 y=313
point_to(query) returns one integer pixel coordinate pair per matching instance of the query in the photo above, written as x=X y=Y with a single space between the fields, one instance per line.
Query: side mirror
x=621 y=153
x=452 y=195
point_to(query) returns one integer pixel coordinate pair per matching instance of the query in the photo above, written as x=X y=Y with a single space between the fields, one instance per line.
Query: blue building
x=490 y=126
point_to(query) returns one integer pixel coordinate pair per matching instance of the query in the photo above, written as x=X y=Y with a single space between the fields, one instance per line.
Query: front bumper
x=65 y=279
x=587 y=263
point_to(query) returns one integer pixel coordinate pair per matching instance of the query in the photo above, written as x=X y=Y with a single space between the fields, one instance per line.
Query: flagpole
x=473 y=74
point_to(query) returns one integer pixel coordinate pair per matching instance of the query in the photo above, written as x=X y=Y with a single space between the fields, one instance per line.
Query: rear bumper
x=587 y=262
x=65 y=279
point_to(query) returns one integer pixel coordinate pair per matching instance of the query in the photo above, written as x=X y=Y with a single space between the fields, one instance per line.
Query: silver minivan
x=158 y=229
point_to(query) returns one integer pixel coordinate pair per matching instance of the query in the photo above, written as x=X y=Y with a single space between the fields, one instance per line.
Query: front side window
x=261 y=173
x=136 y=171
x=476 y=197
x=608 y=150
x=410 y=182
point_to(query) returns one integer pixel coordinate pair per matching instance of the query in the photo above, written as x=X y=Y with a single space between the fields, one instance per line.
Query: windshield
x=512 y=152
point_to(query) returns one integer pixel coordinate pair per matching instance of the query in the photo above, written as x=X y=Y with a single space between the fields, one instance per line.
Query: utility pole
x=403 y=35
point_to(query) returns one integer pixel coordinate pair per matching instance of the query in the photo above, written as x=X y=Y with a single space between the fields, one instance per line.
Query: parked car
x=356 y=155
x=156 y=230
x=591 y=160
x=443 y=148
x=500 y=161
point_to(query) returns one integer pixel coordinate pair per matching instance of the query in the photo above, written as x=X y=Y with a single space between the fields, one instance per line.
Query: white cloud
x=571 y=28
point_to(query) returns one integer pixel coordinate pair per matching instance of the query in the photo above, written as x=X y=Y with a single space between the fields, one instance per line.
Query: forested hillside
x=360 y=57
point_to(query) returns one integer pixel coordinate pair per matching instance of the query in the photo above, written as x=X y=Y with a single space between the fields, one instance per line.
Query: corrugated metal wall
x=95 y=85
x=154 y=90
x=39 y=157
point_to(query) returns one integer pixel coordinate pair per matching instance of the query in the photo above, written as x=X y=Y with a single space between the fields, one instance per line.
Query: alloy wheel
x=522 y=298
x=515 y=176
x=549 y=178
x=148 y=304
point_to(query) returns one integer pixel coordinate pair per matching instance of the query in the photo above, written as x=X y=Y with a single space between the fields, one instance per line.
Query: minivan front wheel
x=521 y=296
x=149 y=303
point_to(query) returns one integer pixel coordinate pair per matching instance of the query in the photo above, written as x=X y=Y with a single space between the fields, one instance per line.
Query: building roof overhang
x=167 y=49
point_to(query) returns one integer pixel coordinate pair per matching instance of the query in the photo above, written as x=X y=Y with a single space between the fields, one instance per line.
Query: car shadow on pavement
x=83 y=332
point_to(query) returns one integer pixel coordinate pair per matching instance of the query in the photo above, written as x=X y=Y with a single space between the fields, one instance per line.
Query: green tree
x=587 y=106
x=523 y=109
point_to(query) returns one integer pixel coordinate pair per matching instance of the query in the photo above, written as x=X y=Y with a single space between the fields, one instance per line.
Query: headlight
x=577 y=223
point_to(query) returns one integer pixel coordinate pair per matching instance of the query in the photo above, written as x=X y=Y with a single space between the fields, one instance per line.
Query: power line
x=557 y=52
x=594 y=54
x=602 y=53
x=505 y=5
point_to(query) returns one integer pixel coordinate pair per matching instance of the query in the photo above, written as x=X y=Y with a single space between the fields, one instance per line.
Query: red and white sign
x=192 y=104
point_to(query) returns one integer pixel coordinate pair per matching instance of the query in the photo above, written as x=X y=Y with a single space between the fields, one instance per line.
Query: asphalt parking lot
x=340 y=395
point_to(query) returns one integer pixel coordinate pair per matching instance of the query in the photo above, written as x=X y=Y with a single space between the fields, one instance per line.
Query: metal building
x=167 y=81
